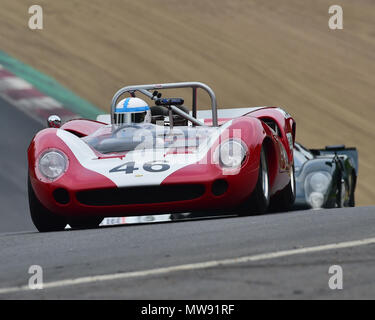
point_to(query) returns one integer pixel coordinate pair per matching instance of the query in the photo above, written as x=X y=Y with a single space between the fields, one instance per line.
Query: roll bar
x=144 y=89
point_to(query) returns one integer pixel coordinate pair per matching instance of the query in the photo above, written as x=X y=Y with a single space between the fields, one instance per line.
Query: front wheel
x=286 y=197
x=43 y=219
x=259 y=200
x=353 y=179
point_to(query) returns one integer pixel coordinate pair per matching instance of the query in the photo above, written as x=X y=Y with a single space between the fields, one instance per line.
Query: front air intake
x=140 y=195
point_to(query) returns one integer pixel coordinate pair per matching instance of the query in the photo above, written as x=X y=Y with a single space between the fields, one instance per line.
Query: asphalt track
x=284 y=256
x=16 y=132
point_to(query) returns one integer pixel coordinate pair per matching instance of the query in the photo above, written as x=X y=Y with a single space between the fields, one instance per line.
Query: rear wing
x=351 y=153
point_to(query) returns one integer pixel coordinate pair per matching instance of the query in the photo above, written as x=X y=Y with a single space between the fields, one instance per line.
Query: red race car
x=161 y=159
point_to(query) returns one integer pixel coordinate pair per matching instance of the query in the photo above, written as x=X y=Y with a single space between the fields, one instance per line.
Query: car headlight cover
x=52 y=164
x=232 y=153
x=319 y=181
x=316 y=186
x=316 y=200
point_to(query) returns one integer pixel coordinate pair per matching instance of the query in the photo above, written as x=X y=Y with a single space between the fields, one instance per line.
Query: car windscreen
x=123 y=138
x=301 y=155
x=299 y=159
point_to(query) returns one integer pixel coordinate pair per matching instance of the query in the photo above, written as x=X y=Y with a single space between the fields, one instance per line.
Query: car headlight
x=52 y=164
x=232 y=154
x=319 y=181
x=316 y=186
x=316 y=200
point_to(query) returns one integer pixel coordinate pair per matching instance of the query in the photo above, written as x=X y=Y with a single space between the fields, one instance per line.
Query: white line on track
x=193 y=266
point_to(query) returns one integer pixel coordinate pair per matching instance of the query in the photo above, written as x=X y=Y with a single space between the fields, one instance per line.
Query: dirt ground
x=251 y=52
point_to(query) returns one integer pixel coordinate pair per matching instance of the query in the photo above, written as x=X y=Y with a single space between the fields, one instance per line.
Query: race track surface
x=133 y=248
x=16 y=132
x=179 y=260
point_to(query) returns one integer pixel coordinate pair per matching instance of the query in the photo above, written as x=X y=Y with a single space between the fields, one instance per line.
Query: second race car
x=325 y=178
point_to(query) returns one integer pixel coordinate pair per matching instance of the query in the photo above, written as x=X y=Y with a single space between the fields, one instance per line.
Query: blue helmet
x=132 y=110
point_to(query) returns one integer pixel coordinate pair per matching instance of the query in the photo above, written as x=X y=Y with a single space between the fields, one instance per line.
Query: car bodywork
x=108 y=174
x=325 y=178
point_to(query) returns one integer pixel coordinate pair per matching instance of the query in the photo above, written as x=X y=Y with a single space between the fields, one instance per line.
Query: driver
x=132 y=110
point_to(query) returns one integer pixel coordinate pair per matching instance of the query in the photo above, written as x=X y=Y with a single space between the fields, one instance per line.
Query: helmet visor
x=138 y=117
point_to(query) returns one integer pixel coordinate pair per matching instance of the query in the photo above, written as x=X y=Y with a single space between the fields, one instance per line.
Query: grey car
x=325 y=178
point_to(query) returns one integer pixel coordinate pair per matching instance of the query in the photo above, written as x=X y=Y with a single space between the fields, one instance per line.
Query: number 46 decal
x=152 y=166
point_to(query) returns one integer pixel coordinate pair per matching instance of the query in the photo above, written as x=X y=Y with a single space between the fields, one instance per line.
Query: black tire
x=43 y=219
x=284 y=200
x=352 y=190
x=180 y=216
x=259 y=200
x=85 y=223
x=342 y=201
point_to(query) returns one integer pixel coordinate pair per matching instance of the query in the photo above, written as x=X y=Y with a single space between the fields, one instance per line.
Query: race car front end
x=71 y=179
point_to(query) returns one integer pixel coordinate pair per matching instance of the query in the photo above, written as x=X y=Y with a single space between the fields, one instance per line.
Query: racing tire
x=284 y=200
x=340 y=198
x=85 y=223
x=352 y=189
x=259 y=201
x=43 y=219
